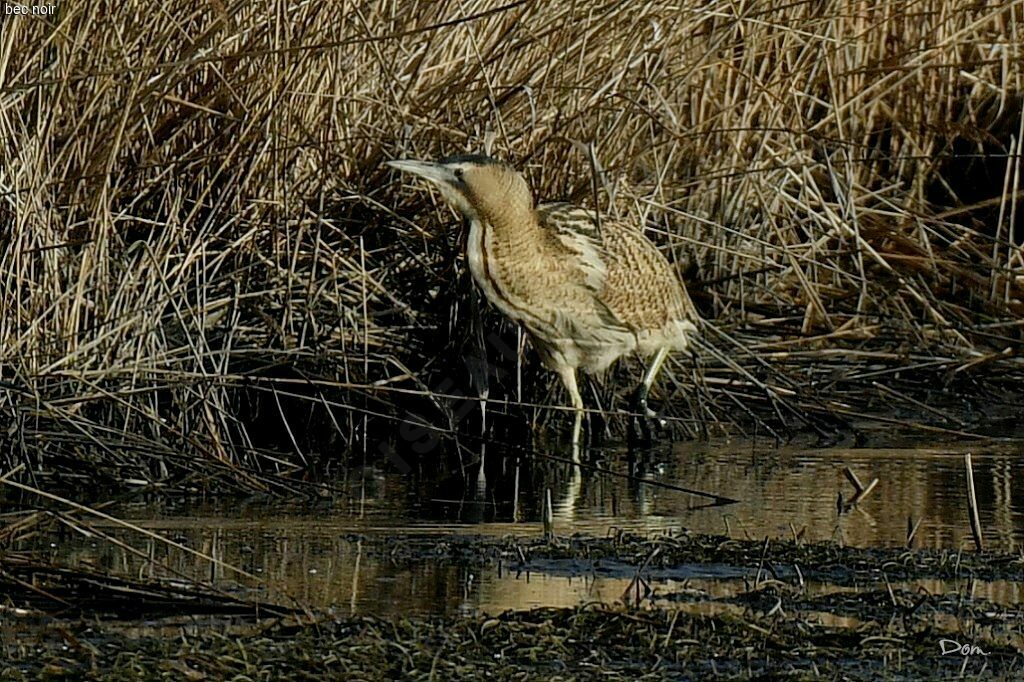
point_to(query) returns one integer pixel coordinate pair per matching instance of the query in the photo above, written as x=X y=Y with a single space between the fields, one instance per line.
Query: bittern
x=586 y=290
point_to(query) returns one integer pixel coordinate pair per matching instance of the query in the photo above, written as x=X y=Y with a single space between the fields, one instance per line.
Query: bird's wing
x=630 y=279
x=576 y=234
x=575 y=231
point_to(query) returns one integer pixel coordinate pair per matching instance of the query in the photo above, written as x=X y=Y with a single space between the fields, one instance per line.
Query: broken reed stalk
x=861 y=490
x=912 y=527
x=639 y=582
x=972 y=504
x=861 y=494
x=852 y=478
x=548 y=516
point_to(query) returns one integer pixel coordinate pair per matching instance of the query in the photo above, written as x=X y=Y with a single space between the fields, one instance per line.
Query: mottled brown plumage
x=586 y=294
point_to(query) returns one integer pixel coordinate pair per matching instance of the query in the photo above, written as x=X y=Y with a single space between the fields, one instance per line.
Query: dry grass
x=196 y=228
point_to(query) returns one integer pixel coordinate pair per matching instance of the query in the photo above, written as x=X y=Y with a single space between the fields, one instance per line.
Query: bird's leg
x=568 y=375
x=639 y=422
x=597 y=425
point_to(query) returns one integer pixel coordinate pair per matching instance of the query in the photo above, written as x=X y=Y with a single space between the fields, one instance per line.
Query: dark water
x=307 y=551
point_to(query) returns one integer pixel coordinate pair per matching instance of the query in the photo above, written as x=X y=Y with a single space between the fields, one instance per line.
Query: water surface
x=311 y=553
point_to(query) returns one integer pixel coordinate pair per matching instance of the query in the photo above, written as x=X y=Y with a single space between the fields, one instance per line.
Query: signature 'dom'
x=951 y=646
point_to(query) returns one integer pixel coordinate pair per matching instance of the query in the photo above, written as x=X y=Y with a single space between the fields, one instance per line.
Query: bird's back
x=627 y=275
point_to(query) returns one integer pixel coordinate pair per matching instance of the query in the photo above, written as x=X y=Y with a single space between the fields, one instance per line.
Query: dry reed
x=207 y=275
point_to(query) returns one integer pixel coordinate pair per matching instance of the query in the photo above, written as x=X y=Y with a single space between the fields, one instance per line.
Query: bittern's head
x=478 y=186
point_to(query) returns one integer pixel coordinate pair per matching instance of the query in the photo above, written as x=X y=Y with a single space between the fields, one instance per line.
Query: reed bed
x=208 y=278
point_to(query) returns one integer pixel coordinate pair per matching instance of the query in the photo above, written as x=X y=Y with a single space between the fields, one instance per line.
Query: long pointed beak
x=437 y=173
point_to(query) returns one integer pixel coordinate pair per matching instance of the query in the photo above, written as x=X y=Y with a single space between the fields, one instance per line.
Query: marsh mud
x=664 y=606
x=453 y=575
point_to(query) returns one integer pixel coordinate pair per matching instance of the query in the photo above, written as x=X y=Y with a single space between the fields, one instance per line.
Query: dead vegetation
x=207 y=275
x=583 y=643
x=851 y=618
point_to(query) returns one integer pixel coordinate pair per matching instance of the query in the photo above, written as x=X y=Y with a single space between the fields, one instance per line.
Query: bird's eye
x=458 y=173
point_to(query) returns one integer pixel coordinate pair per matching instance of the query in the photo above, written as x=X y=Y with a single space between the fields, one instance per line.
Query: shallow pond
x=311 y=552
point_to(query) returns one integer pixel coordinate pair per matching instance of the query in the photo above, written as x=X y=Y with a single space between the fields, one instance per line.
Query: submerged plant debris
x=660 y=553
x=776 y=624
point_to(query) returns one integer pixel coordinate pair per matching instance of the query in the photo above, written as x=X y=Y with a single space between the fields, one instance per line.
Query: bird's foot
x=644 y=423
